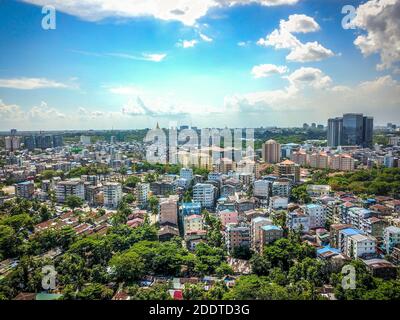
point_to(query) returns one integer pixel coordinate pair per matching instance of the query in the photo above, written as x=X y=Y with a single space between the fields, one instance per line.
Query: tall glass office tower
x=353 y=129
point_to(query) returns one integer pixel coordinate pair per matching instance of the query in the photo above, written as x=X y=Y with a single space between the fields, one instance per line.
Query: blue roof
x=191 y=205
x=313 y=205
x=351 y=231
x=270 y=227
x=327 y=249
x=258 y=219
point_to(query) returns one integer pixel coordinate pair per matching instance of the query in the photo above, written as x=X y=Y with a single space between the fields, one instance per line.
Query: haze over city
x=122 y=64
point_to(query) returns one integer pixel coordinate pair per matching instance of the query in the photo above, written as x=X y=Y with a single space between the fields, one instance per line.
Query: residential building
x=237 y=236
x=342 y=162
x=186 y=173
x=317 y=215
x=204 y=193
x=192 y=223
x=391 y=238
x=271 y=151
x=359 y=245
x=269 y=234
x=228 y=216
x=256 y=232
x=112 y=194
x=319 y=160
x=68 y=188
x=297 y=220
x=278 y=203
x=314 y=190
x=261 y=188
x=288 y=169
x=299 y=157
x=281 y=188
x=142 y=194
x=168 y=211
x=25 y=189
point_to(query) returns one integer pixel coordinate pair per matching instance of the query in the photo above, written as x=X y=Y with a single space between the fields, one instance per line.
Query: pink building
x=227 y=216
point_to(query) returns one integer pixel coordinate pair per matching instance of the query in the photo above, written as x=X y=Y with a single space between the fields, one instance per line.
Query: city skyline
x=128 y=66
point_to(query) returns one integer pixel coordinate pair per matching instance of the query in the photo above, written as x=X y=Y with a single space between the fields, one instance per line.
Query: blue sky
x=128 y=64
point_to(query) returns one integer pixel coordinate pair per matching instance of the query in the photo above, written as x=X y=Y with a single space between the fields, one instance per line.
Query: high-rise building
x=289 y=169
x=58 y=141
x=29 y=142
x=353 y=129
x=186 y=173
x=204 y=193
x=142 y=193
x=12 y=143
x=112 y=194
x=271 y=151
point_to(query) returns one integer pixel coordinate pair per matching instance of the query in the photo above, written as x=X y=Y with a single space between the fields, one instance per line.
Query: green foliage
x=132 y=181
x=158 y=291
x=95 y=291
x=74 y=202
x=128 y=266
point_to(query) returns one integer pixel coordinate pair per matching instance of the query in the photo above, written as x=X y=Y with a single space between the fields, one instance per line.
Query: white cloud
x=185 y=11
x=10 y=112
x=266 y=70
x=30 y=83
x=283 y=38
x=124 y=90
x=153 y=57
x=309 y=77
x=299 y=23
x=205 y=38
x=381 y=22
x=187 y=43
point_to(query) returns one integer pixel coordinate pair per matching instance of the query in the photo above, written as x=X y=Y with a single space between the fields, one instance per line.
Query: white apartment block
x=68 y=188
x=391 y=238
x=281 y=188
x=112 y=194
x=256 y=231
x=297 y=220
x=278 y=203
x=142 y=193
x=204 y=194
x=261 y=188
x=359 y=245
x=186 y=173
x=317 y=214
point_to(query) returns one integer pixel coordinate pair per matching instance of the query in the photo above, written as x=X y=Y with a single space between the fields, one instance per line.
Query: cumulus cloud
x=31 y=83
x=10 y=112
x=284 y=38
x=266 y=70
x=185 y=11
x=310 y=92
x=380 y=19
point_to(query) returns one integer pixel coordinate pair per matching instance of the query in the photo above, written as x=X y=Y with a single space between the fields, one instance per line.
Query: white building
x=391 y=238
x=314 y=190
x=68 y=188
x=359 y=245
x=85 y=140
x=112 y=194
x=215 y=176
x=281 y=188
x=278 y=203
x=142 y=193
x=297 y=220
x=317 y=215
x=187 y=173
x=204 y=193
x=25 y=189
x=192 y=223
x=256 y=231
x=261 y=188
